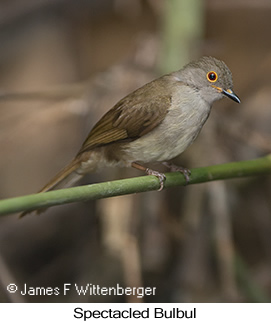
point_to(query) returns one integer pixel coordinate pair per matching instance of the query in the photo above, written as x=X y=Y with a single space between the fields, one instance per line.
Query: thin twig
x=254 y=167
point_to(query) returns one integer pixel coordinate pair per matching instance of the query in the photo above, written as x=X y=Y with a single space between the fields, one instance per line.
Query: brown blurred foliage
x=63 y=64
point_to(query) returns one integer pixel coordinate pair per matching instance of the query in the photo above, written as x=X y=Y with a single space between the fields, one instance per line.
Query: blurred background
x=63 y=64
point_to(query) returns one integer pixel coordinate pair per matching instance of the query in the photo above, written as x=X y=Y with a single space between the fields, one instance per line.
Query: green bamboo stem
x=254 y=167
x=182 y=29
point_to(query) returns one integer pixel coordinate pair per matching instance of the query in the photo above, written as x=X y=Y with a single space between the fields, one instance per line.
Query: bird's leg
x=148 y=171
x=173 y=168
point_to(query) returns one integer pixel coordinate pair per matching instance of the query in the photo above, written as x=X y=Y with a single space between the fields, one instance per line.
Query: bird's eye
x=212 y=76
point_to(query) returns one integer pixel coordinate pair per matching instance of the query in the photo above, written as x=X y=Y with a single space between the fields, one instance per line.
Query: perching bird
x=155 y=123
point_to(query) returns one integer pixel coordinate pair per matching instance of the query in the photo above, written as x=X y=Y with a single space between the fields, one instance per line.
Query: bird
x=154 y=123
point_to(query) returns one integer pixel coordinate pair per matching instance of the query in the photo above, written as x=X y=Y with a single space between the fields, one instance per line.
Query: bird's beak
x=229 y=93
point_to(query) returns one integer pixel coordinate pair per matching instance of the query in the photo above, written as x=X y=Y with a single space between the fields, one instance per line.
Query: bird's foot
x=173 y=168
x=148 y=171
x=160 y=176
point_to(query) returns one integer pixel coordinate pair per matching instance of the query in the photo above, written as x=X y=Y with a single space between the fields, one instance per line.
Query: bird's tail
x=66 y=177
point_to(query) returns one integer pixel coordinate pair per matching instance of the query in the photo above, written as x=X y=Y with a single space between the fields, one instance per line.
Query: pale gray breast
x=185 y=118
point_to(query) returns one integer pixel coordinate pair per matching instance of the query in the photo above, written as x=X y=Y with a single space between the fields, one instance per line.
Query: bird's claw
x=186 y=173
x=160 y=176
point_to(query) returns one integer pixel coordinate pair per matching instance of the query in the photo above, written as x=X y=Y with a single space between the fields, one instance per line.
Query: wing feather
x=132 y=117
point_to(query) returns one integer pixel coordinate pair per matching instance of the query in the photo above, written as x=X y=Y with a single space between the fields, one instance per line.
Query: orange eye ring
x=212 y=76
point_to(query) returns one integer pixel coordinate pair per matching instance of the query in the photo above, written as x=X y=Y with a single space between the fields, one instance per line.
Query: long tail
x=66 y=177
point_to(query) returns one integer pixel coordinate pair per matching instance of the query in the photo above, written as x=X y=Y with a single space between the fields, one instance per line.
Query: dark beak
x=230 y=94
